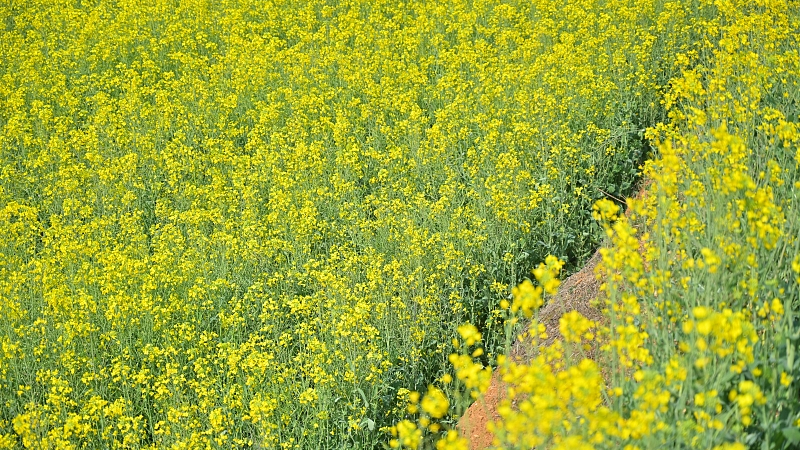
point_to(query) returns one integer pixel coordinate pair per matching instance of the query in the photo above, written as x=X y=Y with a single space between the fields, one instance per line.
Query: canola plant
x=701 y=277
x=260 y=224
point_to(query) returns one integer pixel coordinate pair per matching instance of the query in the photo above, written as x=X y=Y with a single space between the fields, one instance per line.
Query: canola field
x=701 y=278
x=277 y=224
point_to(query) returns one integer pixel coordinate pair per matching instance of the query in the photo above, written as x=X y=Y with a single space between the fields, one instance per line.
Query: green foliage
x=252 y=224
x=701 y=276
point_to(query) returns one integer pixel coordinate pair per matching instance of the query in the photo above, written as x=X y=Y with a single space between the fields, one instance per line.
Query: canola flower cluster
x=701 y=276
x=257 y=224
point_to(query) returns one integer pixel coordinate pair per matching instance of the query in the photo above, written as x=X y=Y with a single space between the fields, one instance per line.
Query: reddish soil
x=576 y=293
x=474 y=422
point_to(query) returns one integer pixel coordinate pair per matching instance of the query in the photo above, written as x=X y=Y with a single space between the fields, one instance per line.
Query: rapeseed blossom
x=700 y=288
x=252 y=224
x=262 y=224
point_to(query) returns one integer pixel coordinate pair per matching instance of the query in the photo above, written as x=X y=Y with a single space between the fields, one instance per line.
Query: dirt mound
x=575 y=294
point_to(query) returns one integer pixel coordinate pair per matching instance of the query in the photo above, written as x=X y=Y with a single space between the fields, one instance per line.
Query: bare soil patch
x=575 y=294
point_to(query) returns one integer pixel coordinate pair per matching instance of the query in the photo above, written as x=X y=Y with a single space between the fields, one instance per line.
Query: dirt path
x=576 y=293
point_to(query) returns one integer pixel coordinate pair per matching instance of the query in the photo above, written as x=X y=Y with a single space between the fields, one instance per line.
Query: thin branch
x=609 y=195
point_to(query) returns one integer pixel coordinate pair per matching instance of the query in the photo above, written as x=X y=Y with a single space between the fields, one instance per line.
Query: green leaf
x=369 y=423
x=792 y=434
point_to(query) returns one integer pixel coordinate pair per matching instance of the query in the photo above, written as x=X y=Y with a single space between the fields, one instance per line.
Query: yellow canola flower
x=574 y=327
x=777 y=306
x=474 y=376
x=435 y=403
x=469 y=333
x=547 y=274
x=700 y=312
x=452 y=441
x=712 y=261
x=745 y=397
x=699 y=399
x=199 y=236
x=730 y=446
x=408 y=435
x=8 y=441
x=527 y=298
x=605 y=210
